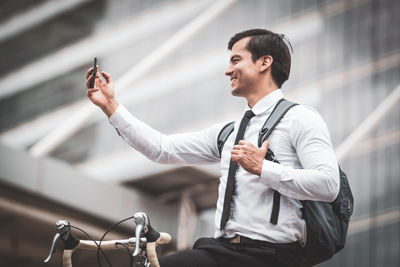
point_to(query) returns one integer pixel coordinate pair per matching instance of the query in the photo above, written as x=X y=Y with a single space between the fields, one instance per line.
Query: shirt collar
x=267 y=102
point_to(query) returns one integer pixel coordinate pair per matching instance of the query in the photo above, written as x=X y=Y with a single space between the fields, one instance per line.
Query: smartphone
x=94 y=72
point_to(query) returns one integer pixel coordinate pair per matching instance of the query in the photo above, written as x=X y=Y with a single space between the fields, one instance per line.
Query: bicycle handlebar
x=151 y=238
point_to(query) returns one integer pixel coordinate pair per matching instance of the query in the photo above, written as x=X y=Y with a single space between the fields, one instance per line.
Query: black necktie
x=230 y=184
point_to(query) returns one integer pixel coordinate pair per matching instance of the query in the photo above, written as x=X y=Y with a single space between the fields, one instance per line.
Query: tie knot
x=249 y=114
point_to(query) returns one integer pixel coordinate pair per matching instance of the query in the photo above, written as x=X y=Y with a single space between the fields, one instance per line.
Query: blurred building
x=61 y=159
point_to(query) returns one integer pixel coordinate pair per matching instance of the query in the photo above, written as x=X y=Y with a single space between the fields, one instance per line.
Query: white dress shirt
x=308 y=169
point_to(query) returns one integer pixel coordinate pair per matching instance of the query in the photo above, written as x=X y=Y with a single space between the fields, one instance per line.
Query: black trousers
x=210 y=252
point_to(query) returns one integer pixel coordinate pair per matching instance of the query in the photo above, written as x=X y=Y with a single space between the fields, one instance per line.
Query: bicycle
x=144 y=253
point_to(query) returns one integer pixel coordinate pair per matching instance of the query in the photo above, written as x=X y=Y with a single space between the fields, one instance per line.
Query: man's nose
x=228 y=72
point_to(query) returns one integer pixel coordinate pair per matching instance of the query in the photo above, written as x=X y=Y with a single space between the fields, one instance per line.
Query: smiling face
x=243 y=72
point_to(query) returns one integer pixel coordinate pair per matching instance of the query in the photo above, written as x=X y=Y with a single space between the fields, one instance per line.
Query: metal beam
x=377 y=142
x=51 y=141
x=371 y=221
x=50 y=218
x=36 y=15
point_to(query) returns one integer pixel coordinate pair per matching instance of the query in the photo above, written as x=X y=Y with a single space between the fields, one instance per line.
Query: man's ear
x=265 y=62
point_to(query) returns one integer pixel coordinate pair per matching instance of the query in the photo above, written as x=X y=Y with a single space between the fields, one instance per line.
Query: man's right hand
x=102 y=95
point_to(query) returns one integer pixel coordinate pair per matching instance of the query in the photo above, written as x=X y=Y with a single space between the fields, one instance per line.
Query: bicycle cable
x=91 y=238
x=129 y=253
x=105 y=233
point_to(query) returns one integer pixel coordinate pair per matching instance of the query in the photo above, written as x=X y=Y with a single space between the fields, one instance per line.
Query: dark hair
x=264 y=42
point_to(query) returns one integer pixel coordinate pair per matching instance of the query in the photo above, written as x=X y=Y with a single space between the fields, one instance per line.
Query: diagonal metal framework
x=38 y=127
x=292 y=27
x=111 y=39
x=56 y=137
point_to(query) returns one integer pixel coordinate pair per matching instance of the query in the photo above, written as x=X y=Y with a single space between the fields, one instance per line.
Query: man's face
x=242 y=71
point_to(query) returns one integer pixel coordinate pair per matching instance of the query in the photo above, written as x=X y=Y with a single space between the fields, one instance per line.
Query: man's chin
x=235 y=91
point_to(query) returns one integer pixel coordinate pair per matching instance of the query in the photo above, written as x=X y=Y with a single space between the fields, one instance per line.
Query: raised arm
x=184 y=149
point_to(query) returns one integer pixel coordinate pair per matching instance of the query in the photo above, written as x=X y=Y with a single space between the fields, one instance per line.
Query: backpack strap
x=223 y=135
x=281 y=108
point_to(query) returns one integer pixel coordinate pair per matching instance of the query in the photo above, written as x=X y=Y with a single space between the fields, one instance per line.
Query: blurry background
x=61 y=159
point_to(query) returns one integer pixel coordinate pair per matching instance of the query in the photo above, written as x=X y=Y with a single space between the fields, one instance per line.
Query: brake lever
x=64 y=232
x=53 y=247
x=142 y=222
x=63 y=227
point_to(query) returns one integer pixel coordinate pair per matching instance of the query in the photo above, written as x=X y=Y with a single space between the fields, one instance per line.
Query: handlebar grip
x=164 y=238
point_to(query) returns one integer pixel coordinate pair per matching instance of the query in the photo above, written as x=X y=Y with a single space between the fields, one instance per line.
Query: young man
x=259 y=65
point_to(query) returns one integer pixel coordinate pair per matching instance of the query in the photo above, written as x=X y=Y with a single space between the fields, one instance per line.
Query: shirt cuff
x=119 y=119
x=271 y=174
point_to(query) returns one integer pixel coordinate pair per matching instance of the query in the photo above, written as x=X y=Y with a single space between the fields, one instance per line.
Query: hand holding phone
x=103 y=95
x=94 y=72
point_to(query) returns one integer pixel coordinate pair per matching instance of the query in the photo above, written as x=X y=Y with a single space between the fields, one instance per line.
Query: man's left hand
x=249 y=156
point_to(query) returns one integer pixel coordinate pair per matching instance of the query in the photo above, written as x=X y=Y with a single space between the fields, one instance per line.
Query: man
x=259 y=65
